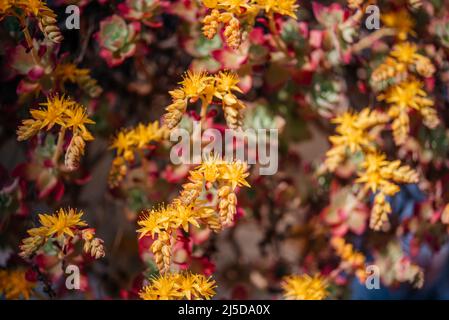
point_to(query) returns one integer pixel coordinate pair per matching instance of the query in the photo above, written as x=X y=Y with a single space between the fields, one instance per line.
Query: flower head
x=380 y=174
x=195 y=83
x=14 y=284
x=178 y=286
x=235 y=173
x=283 y=7
x=76 y=118
x=123 y=143
x=63 y=222
x=161 y=288
x=53 y=112
x=401 y=21
x=305 y=287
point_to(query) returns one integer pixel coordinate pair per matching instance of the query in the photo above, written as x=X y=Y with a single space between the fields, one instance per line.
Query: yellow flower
x=178 y=286
x=404 y=52
x=70 y=72
x=155 y=221
x=283 y=7
x=210 y=168
x=186 y=283
x=32 y=7
x=354 y=135
x=5 y=5
x=139 y=136
x=194 y=83
x=161 y=288
x=183 y=215
x=76 y=118
x=351 y=133
x=236 y=173
x=62 y=223
x=14 y=285
x=57 y=110
x=401 y=21
x=347 y=253
x=227 y=81
x=304 y=287
x=379 y=174
x=53 y=112
x=408 y=95
x=204 y=287
x=142 y=135
x=123 y=143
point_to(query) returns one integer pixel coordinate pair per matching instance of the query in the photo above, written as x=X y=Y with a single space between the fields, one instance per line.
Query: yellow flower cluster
x=66 y=113
x=179 y=286
x=305 y=287
x=356 y=131
x=69 y=72
x=351 y=260
x=128 y=142
x=403 y=58
x=404 y=97
x=401 y=21
x=355 y=4
x=231 y=13
x=63 y=225
x=403 y=92
x=205 y=87
x=355 y=134
x=162 y=223
x=383 y=177
x=14 y=285
x=34 y=8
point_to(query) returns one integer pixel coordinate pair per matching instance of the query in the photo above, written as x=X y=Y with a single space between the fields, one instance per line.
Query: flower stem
x=274 y=32
x=29 y=39
x=203 y=113
x=373 y=37
x=59 y=146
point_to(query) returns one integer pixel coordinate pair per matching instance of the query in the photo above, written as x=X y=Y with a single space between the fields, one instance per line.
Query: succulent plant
x=117 y=39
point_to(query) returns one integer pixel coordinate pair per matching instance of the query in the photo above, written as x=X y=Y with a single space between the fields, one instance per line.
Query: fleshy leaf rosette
x=117 y=39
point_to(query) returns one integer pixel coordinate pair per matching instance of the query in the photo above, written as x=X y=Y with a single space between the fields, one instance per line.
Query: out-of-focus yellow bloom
x=305 y=287
x=351 y=260
x=127 y=142
x=123 y=142
x=188 y=209
x=179 y=286
x=401 y=21
x=69 y=72
x=382 y=177
x=5 y=5
x=354 y=135
x=404 y=97
x=14 y=285
x=379 y=174
x=283 y=7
